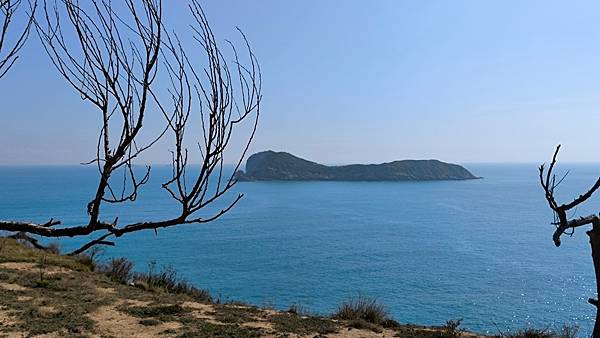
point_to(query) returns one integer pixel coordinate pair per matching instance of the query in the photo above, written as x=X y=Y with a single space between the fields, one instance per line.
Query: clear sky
x=370 y=81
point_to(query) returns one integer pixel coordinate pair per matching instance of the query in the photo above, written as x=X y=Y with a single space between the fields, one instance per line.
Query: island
x=282 y=166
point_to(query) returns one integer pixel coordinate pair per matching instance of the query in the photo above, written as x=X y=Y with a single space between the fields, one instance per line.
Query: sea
x=477 y=250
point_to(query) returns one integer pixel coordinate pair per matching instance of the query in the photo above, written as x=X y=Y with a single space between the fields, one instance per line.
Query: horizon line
x=330 y=164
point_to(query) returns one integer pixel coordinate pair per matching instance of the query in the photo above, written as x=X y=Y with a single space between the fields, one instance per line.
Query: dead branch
x=21 y=236
x=549 y=184
x=12 y=41
x=112 y=61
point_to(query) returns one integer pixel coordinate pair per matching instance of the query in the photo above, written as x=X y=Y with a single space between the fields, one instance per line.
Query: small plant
x=42 y=282
x=290 y=323
x=391 y=324
x=568 y=331
x=118 y=269
x=42 y=266
x=53 y=248
x=153 y=311
x=90 y=257
x=451 y=329
x=167 y=280
x=150 y=322
x=529 y=333
x=269 y=304
x=362 y=324
x=365 y=308
x=565 y=332
x=298 y=309
x=121 y=270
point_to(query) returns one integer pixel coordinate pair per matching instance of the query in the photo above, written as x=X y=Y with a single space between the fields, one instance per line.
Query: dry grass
x=362 y=308
x=166 y=279
x=12 y=251
x=564 y=332
x=117 y=269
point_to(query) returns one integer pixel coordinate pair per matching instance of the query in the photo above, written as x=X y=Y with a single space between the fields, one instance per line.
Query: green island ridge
x=282 y=166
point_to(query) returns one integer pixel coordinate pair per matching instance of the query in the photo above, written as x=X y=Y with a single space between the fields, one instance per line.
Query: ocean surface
x=480 y=250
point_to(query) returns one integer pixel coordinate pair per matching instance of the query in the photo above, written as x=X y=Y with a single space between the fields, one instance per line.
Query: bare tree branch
x=12 y=41
x=562 y=222
x=549 y=184
x=112 y=60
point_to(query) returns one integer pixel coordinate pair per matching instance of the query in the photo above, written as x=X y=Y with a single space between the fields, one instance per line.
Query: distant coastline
x=281 y=166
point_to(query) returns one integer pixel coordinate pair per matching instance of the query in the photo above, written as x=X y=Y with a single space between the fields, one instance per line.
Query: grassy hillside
x=49 y=295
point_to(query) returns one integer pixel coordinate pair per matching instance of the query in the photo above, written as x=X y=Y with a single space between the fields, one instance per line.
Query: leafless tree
x=11 y=40
x=563 y=223
x=112 y=61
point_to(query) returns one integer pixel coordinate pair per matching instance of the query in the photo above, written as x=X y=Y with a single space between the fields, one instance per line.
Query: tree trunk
x=595 y=243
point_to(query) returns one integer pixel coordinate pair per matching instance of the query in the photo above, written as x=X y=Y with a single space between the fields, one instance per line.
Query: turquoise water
x=479 y=250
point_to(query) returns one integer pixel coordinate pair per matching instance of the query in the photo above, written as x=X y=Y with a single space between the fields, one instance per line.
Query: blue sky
x=370 y=81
